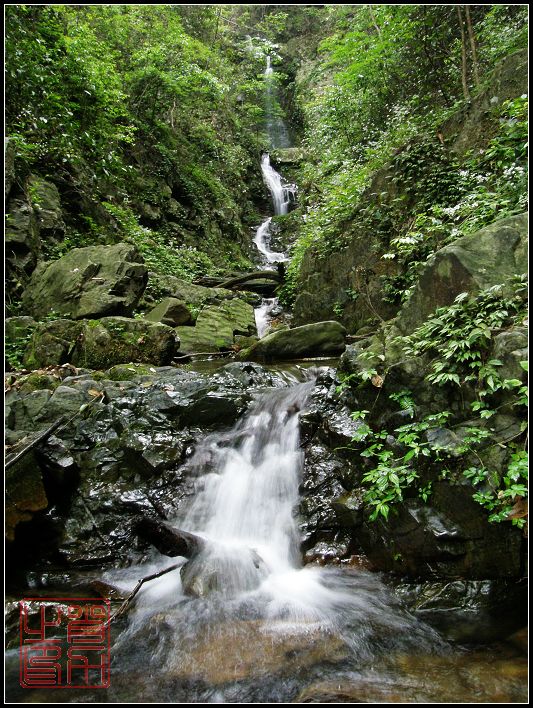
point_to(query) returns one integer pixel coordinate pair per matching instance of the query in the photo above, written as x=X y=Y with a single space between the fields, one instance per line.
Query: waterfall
x=262 y=241
x=262 y=315
x=248 y=495
x=278 y=133
x=281 y=194
x=243 y=614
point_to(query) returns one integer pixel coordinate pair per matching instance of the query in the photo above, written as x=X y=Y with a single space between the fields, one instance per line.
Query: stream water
x=244 y=621
x=281 y=194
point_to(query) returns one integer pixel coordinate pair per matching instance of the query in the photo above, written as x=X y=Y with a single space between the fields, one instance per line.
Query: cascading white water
x=245 y=611
x=247 y=497
x=281 y=194
x=262 y=241
x=262 y=315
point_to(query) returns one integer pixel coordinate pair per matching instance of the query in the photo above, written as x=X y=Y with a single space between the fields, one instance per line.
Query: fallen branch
x=127 y=602
x=257 y=275
x=168 y=540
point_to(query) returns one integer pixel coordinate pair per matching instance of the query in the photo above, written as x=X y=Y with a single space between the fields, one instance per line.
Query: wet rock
x=171 y=312
x=236 y=651
x=329 y=552
x=449 y=537
x=58 y=461
x=319 y=339
x=489 y=257
x=88 y=282
x=319 y=487
x=24 y=410
x=465 y=677
x=468 y=610
x=25 y=493
x=349 y=509
x=227 y=572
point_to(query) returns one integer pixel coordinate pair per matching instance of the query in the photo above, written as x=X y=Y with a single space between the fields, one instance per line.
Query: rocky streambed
x=130 y=448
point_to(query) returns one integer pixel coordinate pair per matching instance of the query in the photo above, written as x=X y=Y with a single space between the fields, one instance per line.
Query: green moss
x=127 y=372
x=36 y=382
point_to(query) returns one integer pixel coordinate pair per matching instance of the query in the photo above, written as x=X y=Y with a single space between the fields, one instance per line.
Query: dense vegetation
x=149 y=121
x=379 y=93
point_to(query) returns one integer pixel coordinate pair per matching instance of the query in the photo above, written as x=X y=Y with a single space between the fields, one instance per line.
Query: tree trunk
x=168 y=540
x=472 y=39
x=466 y=93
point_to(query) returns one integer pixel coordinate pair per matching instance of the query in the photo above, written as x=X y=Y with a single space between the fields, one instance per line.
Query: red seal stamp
x=64 y=643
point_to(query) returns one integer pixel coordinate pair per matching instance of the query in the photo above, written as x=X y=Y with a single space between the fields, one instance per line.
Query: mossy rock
x=216 y=327
x=117 y=340
x=127 y=372
x=100 y=344
x=480 y=260
x=171 y=312
x=318 y=339
x=87 y=283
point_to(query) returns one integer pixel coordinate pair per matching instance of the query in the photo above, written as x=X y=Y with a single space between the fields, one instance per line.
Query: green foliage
x=500 y=496
x=161 y=256
x=389 y=78
x=135 y=105
x=458 y=338
x=405 y=460
x=15 y=349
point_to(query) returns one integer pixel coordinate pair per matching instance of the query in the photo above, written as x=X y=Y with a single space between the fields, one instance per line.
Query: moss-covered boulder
x=318 y=339
x=171 y=312
x=53 y=343
x=88 y=282
x=118 y=340
x=488 y=257
x=100 y=344
x=45 y=200
x=25 y=493
x=216 y=327
x=22 y=242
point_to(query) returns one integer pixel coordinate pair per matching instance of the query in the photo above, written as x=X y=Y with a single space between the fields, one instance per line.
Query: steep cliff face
x=352 y=283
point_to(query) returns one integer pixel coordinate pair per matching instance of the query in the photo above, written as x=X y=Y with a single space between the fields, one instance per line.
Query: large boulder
x=318 y=339
x=100 y=344
x=488 y=257
x=22 y=242
x=216 y=327
x=45 y=199
x=88 y=282
x=345 y=285
x=170 y=311
x=450 y=537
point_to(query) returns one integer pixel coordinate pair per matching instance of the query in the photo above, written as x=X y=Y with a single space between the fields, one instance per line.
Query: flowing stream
x=281 y=193
x=243 y=620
